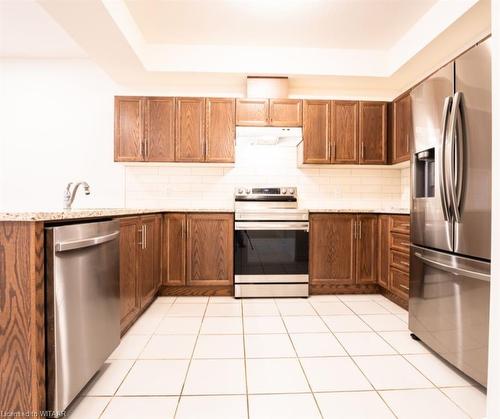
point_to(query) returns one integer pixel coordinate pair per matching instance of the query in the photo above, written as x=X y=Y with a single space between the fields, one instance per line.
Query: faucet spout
x=70 y=193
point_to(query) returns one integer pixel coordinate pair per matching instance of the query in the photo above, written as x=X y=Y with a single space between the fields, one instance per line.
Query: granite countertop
x=117 y=212
x=95 y=213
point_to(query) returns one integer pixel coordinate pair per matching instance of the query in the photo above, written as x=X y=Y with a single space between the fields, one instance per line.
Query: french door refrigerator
x=451 y=211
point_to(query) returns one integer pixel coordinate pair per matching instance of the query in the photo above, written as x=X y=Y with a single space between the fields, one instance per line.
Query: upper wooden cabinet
x=190 y=129
x=269 y=112
x=209 y=249
x=220 y=133
x=373 y=132
x=159 y=127
x=285 y=112
x=166 y=129
x=316 y=131
x=129 y=128
x=343 y=249
x=401 y=129
x=252 y=112
x=345 y=144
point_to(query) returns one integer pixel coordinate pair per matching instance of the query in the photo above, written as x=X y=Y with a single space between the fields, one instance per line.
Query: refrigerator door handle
x=453 y=269
x=442 y=184
x=456 y=163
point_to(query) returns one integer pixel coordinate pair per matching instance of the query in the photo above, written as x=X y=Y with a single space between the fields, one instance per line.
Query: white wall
x=165 y=186
x=494 y=347
x=56 y=126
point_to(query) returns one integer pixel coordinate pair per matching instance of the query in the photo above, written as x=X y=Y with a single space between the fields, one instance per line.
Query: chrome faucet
x=69 y=194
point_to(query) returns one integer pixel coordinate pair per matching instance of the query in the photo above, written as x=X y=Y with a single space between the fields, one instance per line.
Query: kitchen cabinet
x=139 y=265
x=401 y=129
x=174 y=249
x=252 y=112
x=332 y=248
x=345 y=144
x=159 y=119
x=220 y=130
x=190 y=129
x=285 y=112
x=269 y=112
x=316 y=131
x=129 y=128
x=209 y=249
x=394 y=250
x=198 y=249
x=343 y=249
x=373 y=132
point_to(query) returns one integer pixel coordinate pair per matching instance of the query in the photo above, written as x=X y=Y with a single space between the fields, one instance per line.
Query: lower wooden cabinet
x=139 y=265
x=343 y=249
x=394 y=251
x=198 y=249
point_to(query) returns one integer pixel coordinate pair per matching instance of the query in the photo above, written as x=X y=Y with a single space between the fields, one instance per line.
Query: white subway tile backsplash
x=205 y=186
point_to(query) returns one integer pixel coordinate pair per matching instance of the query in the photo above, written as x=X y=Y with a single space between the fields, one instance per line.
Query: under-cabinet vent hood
x=268 y=87
x=270 y=136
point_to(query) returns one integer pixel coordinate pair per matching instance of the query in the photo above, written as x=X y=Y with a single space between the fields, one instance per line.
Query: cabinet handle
x=355 y=230
x=146 y=149
x=362 y=151
x=404 y=287
x=334 y=153
x=145 y=237
x=141 y=242
x=359 y=228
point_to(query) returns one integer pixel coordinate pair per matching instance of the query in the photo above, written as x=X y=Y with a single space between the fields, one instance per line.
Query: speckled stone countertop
x=365 y=210
x=95 y=213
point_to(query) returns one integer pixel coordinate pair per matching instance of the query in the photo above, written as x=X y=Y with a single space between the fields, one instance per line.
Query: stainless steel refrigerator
x=451 y=211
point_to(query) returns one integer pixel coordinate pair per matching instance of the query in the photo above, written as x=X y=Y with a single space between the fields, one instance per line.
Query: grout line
x=245 y=359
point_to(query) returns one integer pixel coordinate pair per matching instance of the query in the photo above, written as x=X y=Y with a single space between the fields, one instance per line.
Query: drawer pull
x=404 y=287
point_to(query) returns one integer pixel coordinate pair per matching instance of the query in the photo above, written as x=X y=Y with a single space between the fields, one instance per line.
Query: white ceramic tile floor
x=326 y=357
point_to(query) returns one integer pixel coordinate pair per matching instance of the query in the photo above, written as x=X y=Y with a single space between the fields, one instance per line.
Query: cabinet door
x=401 y=120
x=383 y=250
x=252 y=112
x=149 y=259
x=367 y=249
x=129 y=292
x=332 y=249
x=129 y=128
x=209 y=249
x=345 y=143
x=160 y=133
x=316 y=131
x=174 y=249
x=190 y=129
x=373 y=132
x=285 y=112
x=221 y=129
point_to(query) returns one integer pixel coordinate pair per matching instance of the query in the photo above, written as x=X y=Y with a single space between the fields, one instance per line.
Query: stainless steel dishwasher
x=82 y=305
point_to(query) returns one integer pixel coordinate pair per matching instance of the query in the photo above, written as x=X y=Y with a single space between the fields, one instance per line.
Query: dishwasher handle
x=92 y=241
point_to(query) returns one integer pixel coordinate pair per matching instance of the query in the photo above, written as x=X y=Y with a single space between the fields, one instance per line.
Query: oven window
x=271 y=252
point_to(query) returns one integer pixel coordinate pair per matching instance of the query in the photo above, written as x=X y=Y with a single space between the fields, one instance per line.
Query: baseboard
x=319 y=289
x=402 y=302
x=222 y=290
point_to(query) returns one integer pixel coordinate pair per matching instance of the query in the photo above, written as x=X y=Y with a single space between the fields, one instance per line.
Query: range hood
x=268 y=136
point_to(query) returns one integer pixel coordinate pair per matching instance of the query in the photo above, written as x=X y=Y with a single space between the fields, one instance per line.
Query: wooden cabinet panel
x=399 y=283
x=220 y=134
x=332 y=249
x=129 y=128
x=401 y=129
x=149 y=258
x=345 y=132
x=129 y=292
x=399 y=260
x=209 y=249
x=367 y=249
x=373 y=132
x=159 y=125
x=174 y=249
x=252 y=112
x=400 y=224
x=400 y=242
x=383 y=250
x=285 y=112
x=316 y=131
x=190 y=129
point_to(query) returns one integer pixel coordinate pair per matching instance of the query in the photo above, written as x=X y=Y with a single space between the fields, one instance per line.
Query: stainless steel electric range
x=271 y=243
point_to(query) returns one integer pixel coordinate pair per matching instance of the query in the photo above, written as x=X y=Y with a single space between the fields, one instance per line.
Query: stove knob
x=240 y=191
x=248 y=191
x=283 y=191
x=291 y=191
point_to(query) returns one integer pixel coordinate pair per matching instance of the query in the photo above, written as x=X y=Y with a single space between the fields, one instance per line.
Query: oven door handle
x=242 y=225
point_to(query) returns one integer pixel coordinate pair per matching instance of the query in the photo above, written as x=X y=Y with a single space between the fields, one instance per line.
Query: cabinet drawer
x=400 y=224
x=400 y=242
x=400 y=260
x=399 y=282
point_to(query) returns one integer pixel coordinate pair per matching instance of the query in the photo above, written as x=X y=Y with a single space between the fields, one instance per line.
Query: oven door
x=271 y=252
